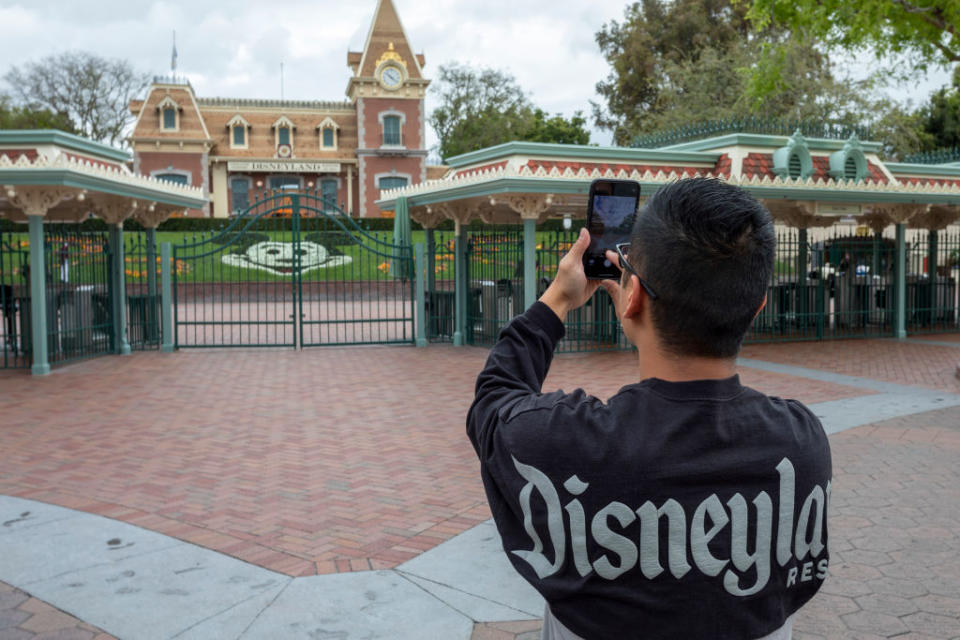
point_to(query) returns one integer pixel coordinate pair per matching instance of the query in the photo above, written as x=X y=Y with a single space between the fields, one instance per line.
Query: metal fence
x=14 y=269
x=441 y=285
x=494 y=263
x=933 y=260
x=141 y=276
x=592 y=327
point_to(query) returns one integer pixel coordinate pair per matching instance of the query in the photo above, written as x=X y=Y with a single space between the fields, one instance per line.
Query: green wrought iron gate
x=292 y=270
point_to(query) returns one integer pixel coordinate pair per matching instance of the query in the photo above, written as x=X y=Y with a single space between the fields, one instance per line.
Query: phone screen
x=611 y=213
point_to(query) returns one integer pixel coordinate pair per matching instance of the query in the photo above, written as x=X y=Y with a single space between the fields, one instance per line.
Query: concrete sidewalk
x=894 y=518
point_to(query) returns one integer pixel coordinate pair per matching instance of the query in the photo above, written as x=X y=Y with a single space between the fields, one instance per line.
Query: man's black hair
x=706 y=248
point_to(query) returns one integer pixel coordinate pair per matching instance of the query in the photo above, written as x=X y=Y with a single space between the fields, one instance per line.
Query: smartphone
x=611 y=211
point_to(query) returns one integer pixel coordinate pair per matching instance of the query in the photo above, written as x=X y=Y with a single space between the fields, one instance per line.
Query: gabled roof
x=238 y=119
x=386 y=29
x=283 y=121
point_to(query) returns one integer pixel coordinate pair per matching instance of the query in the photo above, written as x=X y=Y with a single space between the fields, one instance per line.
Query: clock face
x=391 y=77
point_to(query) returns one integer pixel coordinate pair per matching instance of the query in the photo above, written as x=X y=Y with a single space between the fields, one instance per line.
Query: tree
x=486 y=107
x=673 y=63
x=926 y=30
x=94 y=92
x=13 y=117
x=557 y=129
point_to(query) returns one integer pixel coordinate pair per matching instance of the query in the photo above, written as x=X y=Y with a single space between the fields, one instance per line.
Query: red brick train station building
x=347 y=150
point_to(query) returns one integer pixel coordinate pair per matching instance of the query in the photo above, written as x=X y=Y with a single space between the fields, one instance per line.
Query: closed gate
x=292 y=270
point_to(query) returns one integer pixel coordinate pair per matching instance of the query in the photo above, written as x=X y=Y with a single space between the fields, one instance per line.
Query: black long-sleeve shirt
x=672 y=510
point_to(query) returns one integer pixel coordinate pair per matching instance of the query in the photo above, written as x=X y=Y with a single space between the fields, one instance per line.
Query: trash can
x=143 y=325
x=440 y=313
x=26 y=327
x=76 y=319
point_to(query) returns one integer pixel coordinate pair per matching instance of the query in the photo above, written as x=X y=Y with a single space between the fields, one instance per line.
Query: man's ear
x=762 y=305
x=636 y=298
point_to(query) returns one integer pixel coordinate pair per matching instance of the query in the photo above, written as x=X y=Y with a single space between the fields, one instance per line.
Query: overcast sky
x=235 y=49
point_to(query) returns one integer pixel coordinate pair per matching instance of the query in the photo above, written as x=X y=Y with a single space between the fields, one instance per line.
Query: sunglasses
x=622 y=250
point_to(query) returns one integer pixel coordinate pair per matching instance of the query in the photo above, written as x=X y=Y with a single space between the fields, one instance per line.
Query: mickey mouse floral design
x=278 y=258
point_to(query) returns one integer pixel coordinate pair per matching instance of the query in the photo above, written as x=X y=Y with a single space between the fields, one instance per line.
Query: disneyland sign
x=284 y=166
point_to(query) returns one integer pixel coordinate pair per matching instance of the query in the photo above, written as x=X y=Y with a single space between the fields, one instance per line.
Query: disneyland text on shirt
x=797 y=543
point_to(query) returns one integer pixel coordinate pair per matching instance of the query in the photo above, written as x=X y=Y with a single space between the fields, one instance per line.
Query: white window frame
x=391 y=174
x=239 y=121
x=328 y=123
x=175 y=172
x=283 y=121
x=403 y=122
x=169 y=103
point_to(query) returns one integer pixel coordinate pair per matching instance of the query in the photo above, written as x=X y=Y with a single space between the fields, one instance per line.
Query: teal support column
x=119 y=304
x=38 y=299
x=166 y=302
x=529 y=262
x=421 y=267
x=460 y=285
x=153 y=297
x=900 y=306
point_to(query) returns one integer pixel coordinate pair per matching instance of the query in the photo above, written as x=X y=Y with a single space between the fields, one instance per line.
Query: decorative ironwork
x=292 y=270
x=750 y=124
x=937 y=156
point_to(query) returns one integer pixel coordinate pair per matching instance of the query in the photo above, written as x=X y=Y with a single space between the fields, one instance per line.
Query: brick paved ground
x=351 y=458
x=26 y=618
x=304 y=463
x=904 y=362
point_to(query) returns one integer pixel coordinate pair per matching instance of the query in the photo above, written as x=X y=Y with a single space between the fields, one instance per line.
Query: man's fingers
x=580 y=246
x=613 y=288
x=613 y=258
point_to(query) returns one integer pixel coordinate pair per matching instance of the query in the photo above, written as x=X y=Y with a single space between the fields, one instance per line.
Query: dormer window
x=849 y=163
x=238 y=126
x=283 y=129
x=793 y=161
x=328 y=134
x=169 y=114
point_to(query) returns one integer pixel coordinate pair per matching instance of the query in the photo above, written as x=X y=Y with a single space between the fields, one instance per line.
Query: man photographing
x=686 y=505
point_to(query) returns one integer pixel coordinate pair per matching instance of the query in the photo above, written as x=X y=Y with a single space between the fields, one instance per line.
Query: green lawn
x=205 y=257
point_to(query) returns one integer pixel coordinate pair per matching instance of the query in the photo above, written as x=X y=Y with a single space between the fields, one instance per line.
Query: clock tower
x=388 y=90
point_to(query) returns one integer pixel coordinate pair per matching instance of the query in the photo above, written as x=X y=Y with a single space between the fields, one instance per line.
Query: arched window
x=178 y=178
x=169 y=114
x=391 y=131
x=392 y=182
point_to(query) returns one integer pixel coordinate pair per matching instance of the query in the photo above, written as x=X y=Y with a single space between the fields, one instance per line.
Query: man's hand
x=570 y=289
x=613 y=286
